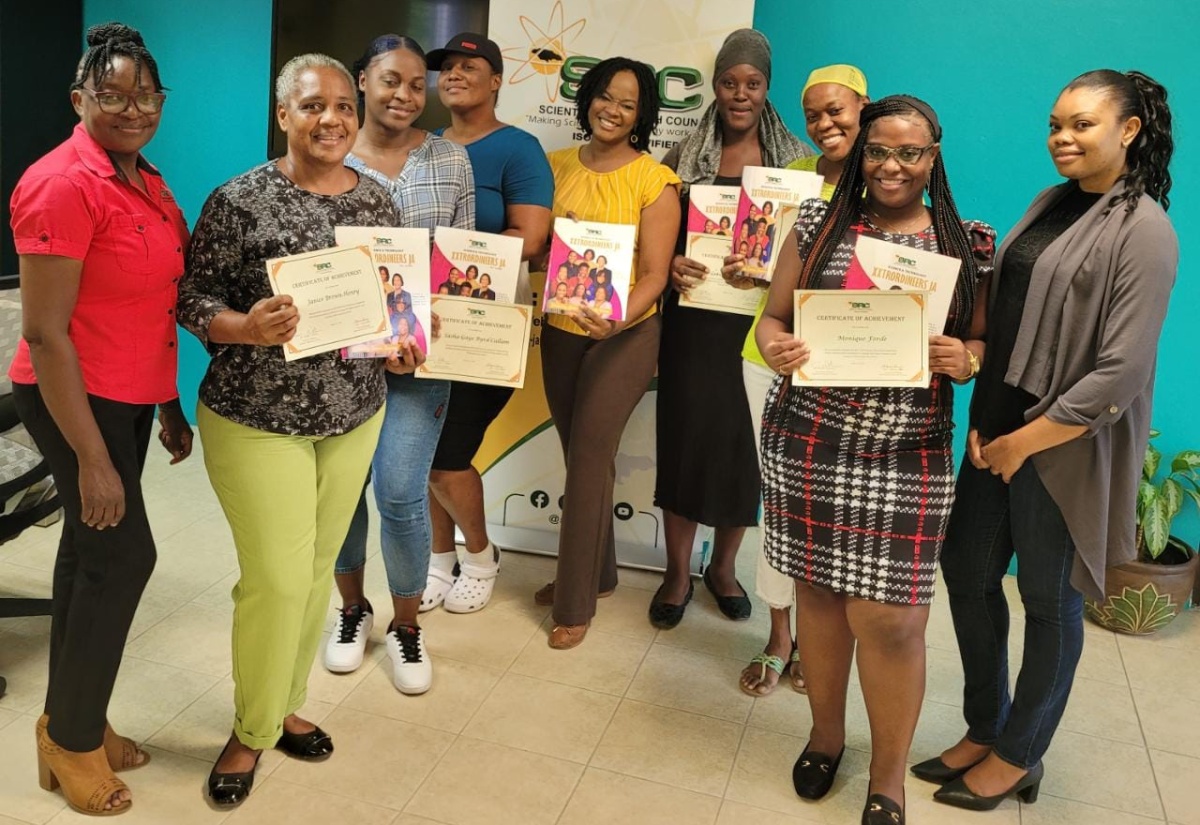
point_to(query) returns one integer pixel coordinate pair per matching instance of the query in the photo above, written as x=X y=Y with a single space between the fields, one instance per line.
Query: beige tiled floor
x=635 y=726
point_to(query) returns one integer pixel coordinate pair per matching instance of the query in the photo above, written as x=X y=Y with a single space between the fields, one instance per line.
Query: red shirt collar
x=95 y=158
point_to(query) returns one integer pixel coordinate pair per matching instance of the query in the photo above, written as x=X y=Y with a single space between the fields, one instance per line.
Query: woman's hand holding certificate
x=271 y=321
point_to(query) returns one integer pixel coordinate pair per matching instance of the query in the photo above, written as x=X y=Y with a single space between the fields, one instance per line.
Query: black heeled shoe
x=313 y=746
x=814 y=772
x=666 y=616
x=737 y=608
x=882 y=810
x=960 y=796
x=226 y=790
x=936 y=771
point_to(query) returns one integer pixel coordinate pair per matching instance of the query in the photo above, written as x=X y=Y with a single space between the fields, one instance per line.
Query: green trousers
x=288 y=500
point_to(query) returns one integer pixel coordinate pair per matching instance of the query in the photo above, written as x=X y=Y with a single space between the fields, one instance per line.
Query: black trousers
x=99 y=575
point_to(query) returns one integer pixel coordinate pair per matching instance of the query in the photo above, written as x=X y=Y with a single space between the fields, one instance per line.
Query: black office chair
x=27 y=494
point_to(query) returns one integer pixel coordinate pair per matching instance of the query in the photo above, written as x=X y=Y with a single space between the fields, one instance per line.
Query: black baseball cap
x=475 y=45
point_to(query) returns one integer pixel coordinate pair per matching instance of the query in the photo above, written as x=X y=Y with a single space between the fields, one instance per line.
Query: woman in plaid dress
x=858 y=482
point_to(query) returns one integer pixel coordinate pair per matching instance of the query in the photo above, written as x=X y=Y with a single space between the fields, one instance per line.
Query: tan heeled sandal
x=122 y=752
x=86 y=779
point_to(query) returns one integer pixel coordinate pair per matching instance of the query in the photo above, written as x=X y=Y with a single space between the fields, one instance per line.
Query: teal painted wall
x=992 y=72
x=215 y=58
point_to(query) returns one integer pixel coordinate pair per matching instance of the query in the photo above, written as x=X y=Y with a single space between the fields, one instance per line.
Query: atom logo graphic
x=547 y=48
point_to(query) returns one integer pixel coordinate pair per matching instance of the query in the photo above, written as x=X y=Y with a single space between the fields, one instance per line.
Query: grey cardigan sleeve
x=1127 y=349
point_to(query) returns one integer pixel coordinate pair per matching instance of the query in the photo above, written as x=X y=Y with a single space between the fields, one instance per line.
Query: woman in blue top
x=513 y=193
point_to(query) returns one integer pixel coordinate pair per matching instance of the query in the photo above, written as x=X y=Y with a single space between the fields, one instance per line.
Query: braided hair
x=108 y=41
x=848 y=201
x=596 y=81
x=1148 y=158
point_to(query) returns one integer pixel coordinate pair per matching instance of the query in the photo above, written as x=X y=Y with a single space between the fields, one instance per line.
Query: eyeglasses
x=114 y=103
x=906 y=155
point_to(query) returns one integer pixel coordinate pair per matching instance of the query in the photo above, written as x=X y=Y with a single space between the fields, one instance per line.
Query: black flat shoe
x=960 y=796
x=666 y=616
x=225 y=790
x=313 y=746
x=936 y=771
x=814 y=772
x=882 y=810
x=734 y=607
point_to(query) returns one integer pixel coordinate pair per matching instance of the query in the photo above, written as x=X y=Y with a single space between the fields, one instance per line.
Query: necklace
x=909 y=227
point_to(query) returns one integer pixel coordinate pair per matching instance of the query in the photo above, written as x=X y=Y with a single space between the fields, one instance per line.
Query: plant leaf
x=1186 y=460
x=1194 y=496
x=1156 y=527
x=1172 y=494
x=1151 y=462
x=1147 y=493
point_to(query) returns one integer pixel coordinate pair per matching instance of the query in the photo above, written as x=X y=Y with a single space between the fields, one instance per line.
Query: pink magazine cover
x=401 y=257
x=712 y=209
x=764 y=192
x=480 y=265
x=591 y=265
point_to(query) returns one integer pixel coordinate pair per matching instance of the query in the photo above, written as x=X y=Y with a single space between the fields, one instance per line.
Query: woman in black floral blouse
x=286 y=444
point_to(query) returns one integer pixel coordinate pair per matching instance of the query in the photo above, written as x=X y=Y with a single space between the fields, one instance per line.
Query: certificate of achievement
x=759 y=227
x=402 y=260
x=336 y=292
x=475 y=264
x=479 y=343
x=887 y=265
x=590 y=264
x=863 y=338
x=714 y=293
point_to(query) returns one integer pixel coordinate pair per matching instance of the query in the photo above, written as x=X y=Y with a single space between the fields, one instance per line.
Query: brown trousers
x=592 y=388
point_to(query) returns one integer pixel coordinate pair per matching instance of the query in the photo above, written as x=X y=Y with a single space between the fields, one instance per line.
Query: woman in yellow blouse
x=597 y=369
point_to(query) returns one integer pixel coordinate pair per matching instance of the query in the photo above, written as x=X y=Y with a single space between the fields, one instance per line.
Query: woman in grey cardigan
x=1059 y=423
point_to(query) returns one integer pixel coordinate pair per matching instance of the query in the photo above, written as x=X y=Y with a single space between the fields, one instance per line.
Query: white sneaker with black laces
x=412 y=672
x=348 y=641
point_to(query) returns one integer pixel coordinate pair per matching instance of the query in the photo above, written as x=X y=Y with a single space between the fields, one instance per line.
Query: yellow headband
x=842 y=74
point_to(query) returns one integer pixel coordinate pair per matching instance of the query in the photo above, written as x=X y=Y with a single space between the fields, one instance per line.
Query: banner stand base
x=545 y=543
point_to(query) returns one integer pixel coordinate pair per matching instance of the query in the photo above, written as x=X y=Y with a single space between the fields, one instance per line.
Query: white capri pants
x=774 y=588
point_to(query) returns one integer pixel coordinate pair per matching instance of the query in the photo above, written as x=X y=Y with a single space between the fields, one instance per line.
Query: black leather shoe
x=225 y=790
x=666 y=616
x=882 y=810
x=734 y=607
x=935 y=770
x=960 y=796
x=314 y=745
x=813 y=773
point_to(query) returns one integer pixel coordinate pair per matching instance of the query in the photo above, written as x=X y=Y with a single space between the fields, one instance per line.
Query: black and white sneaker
x=348 y=641
x=412 y=672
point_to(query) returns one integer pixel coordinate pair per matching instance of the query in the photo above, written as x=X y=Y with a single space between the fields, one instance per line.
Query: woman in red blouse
x=101 y=243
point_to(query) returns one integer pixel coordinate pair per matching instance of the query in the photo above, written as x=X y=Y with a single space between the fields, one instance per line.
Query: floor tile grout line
x=733 y=764
x=1162 y=803
x=1102 y=807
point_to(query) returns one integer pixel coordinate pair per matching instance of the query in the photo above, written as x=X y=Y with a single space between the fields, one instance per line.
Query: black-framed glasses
x=114 y=103
x=906 y=155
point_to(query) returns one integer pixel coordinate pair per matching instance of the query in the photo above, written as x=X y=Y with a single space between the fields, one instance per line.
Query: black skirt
x=707 y=463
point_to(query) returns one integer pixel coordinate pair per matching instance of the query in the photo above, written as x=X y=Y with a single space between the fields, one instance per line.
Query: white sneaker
x=412 y=672
x=348 y=641
x=472 y=589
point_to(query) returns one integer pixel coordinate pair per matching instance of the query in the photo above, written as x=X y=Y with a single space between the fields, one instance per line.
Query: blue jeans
x=412 y=424
x=991 y=520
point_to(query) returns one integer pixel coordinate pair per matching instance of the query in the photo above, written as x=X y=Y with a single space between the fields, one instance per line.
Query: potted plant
x=1145 y=595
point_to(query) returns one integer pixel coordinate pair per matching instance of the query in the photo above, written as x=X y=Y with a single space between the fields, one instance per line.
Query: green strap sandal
x=764 y=661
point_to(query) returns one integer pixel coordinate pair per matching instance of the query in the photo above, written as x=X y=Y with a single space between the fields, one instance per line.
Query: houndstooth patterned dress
x=858 y=482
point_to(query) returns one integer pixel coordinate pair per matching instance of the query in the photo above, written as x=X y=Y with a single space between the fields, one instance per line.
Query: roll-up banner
x=548 y=45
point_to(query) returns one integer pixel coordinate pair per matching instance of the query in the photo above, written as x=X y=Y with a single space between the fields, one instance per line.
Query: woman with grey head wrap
x=701 y=396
